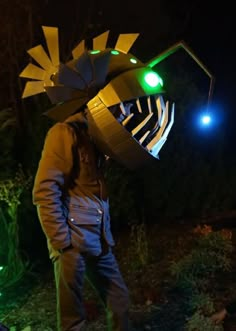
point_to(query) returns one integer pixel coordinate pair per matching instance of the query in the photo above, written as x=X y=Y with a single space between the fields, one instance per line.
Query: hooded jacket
x=69 y=190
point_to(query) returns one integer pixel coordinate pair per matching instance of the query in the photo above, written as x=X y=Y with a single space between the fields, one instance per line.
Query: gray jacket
x=69 y=191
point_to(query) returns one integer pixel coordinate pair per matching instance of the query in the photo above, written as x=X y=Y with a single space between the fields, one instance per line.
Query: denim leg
x=69 y=270
x=105 y=275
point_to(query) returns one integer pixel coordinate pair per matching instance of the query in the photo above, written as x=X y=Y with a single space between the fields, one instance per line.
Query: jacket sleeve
x=54 y=167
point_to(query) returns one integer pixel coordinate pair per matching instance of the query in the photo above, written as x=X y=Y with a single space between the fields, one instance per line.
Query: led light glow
x=95 y=52
x=153 y=79
x=206 y=119
x=133 y=61
x=115 y=52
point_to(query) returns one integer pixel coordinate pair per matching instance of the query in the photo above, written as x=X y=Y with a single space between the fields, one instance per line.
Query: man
x=129 y=121
x=73 y=209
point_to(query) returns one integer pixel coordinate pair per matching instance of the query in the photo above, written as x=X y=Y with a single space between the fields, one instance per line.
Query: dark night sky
x=212 y=36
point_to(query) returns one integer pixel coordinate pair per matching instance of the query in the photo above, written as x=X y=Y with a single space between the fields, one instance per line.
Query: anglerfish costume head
x=127 y=115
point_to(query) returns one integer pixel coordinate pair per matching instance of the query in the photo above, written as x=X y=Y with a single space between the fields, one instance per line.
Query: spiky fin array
x=43 y=76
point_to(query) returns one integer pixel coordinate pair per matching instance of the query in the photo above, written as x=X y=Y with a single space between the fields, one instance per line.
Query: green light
x=115 y=52
x=133 y=60
x=95 y=52
x=1 y=267
x=153 y=79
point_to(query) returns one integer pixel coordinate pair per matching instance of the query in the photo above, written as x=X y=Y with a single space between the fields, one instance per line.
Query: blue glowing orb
x=209 y=119
x=206 y=119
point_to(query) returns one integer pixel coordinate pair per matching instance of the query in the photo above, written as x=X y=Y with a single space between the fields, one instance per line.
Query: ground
x=155 y=305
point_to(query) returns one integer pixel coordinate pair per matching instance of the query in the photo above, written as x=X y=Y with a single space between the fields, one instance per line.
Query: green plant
x=211 y=253
x=139 y=249
x=199 y=322
x=10 y=195
x=201 y=302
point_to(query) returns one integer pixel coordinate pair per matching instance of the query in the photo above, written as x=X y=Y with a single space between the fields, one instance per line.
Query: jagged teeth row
x=160 y=129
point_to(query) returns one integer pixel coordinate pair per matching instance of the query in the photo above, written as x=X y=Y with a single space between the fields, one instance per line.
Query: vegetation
x=11 y=190
x=197 y=271
x=159 y=299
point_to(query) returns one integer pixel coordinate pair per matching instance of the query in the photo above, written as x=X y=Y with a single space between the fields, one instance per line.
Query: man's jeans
x=103 y=272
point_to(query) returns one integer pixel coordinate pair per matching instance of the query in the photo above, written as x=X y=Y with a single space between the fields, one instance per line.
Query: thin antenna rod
x=162 y=56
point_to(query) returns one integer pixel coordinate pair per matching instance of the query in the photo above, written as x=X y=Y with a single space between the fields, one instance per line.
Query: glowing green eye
x=95 y=52
x=153 y=79
x=133 y=60
x=115 y=52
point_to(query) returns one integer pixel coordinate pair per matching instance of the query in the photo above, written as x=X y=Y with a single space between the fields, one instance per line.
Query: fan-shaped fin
x=32 y=88
x=100 y=67
x=69 y=77
x=61 y=112
x=85 y=68
x=78 y=50
x=100 y=41
x=125 y=42
x=61 y=93
x=39 y=55
x=33 y=72
x=51 y=36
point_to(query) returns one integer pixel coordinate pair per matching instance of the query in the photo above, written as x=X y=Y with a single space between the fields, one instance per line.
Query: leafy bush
x=194 y=273
x=201 y=302
x=198 y=322
x=11 y=191
x=211 y=253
